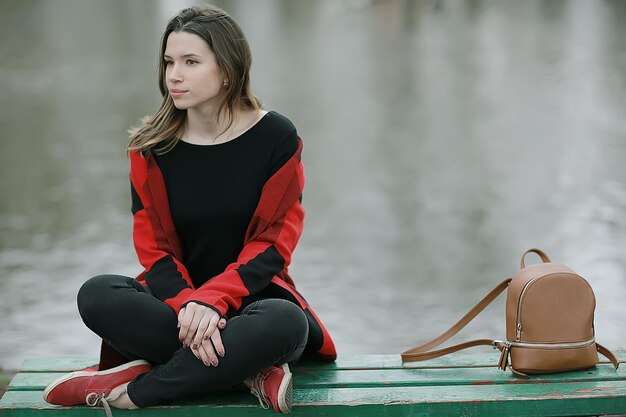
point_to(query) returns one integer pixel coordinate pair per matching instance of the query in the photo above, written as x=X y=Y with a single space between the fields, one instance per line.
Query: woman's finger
x=181 y=313
x=193 y=327
x=221 y=324
x=216 y=339
x=197 y=353
x=202 y=355
x=212 y=327
x=185 y=323
x=209 y=351
x=199 y=335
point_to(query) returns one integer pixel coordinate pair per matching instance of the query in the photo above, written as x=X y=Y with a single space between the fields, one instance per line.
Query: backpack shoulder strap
x=608 y=354
x=425 y=350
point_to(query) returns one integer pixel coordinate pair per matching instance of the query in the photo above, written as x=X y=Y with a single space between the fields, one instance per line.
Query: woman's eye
x=191 y=62
x=168 y=63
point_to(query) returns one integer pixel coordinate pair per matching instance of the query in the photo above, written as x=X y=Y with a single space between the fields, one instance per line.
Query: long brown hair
x=162 y=130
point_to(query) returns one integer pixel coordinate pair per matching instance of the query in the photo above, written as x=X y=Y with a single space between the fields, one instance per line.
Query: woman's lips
x=177 y=93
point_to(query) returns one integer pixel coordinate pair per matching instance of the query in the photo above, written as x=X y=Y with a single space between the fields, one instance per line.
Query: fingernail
x=194 y=346
x=206 y=337
x=178 y=325
x=206 y=363
x=185 y=345
x=221 y=353
x=214 y=362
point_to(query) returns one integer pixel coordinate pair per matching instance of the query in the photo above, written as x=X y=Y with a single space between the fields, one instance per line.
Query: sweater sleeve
x=272 y=236
x=164 y=273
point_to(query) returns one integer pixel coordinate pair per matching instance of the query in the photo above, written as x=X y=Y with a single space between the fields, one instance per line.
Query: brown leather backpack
x=549 y=322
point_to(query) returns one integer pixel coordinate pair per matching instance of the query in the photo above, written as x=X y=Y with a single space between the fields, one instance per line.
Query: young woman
x=216 y=187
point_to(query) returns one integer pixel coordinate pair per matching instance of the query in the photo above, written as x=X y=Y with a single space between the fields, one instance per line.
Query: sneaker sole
x=285 y=391
x=78 y=374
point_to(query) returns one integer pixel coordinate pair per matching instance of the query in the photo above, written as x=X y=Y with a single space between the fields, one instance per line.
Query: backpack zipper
x=562 y=345
x=507 y=345
x=518 y=321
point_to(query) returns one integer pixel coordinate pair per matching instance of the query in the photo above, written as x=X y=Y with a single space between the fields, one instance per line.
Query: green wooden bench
x=370 y=385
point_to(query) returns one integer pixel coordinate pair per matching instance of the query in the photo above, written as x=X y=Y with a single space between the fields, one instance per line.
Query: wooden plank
x=519 y=400
x=67 y=364
x=228 y=404
x=486 y=357
x=464 y=393
x=489 y=359
x=30 y=381
x=457 y=360
x=443 y=377
x=482 y=359
x=56 y=364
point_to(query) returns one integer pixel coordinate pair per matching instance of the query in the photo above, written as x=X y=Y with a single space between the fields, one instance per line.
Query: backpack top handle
x=539 y=252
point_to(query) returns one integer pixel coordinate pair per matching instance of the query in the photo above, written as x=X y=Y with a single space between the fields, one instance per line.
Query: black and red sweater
x=217 y=224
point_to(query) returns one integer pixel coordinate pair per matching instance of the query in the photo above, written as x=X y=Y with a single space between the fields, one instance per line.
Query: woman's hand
x=200 y=328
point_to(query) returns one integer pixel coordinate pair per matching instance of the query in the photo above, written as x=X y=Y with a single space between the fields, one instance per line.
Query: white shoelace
x=262 y=401
x=256 y=388
x=94 y=399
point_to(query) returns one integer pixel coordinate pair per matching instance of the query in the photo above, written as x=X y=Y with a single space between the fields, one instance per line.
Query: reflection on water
x=442 y=139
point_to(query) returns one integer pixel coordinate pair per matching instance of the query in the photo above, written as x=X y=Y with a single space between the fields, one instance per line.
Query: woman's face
x=193 y=78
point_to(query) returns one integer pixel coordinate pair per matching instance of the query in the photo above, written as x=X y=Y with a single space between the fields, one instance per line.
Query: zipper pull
x=518 y=331
x=504 y=356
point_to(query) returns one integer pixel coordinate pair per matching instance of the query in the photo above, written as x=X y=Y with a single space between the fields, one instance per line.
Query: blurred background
x=442 y=139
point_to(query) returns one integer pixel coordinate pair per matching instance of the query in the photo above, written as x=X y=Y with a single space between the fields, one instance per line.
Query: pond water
x=442 y=139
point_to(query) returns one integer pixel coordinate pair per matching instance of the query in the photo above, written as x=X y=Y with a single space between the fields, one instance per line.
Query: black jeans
x=126 y=315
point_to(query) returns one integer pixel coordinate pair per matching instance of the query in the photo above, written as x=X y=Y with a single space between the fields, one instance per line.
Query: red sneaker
x=77 y=387
x=273 y=386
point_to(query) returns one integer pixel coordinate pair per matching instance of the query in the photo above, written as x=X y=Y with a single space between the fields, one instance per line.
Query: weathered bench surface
x=370 y=385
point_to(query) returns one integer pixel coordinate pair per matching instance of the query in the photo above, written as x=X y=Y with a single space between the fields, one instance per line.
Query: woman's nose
x=174 y=75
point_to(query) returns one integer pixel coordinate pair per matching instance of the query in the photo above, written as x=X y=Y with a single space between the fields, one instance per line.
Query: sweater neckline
x=233 y=140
